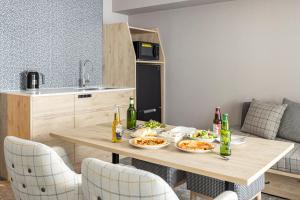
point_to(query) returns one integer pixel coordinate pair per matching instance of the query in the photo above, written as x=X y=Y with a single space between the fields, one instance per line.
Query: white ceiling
x=132 y=7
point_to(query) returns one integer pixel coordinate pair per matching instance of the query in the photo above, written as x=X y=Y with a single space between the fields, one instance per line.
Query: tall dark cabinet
x=148 y=92
x=122 y=68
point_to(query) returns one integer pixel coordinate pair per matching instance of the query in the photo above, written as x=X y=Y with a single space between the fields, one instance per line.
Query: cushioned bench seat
x=290 y=163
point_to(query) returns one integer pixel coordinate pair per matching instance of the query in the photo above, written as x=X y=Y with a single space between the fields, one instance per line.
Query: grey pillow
x=290 y=123
x=263 y=119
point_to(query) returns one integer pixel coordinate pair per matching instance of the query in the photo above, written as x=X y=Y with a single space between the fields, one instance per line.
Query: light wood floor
x=6 y=193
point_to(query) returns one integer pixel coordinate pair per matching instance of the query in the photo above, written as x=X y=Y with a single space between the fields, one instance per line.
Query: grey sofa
x=290 y=163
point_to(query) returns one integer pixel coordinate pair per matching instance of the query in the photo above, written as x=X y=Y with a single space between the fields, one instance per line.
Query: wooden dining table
x=247 y=163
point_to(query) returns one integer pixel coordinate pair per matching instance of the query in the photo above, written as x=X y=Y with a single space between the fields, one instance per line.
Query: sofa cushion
x=289 y=163
x=246 y=106
x=290 y=123
x=263 y=119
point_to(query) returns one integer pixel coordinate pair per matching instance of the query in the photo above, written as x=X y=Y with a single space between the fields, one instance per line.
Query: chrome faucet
x=84 y=76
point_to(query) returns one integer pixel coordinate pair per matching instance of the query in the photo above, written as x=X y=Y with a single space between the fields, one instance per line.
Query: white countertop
x=62 y=91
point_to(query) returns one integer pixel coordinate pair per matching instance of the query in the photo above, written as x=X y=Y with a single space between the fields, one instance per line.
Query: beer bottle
x=225 y=140
x=117 y=126
x=217 y=121
x=131 y=115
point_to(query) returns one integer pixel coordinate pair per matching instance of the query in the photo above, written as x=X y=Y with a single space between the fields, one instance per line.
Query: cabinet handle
x=81 y=96
x=149 y=111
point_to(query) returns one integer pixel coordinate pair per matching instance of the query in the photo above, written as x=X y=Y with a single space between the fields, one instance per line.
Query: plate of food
x=144 y=132
x=149 y=142
x=194 y=146
x=154 y=125
x=172 y=136
x=204 y=136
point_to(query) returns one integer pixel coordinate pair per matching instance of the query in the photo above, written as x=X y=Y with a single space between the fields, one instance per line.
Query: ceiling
x=131 y=7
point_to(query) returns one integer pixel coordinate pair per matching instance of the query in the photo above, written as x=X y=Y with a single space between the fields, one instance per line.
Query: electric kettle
x=33 y=80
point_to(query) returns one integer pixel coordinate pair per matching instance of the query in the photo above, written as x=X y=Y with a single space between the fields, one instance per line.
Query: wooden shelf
x=150 y=62
x=136 y=30
x=119 y=69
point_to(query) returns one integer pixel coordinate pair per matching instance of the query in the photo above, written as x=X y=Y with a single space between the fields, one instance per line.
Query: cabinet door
x=98 y=108
x=52 y=113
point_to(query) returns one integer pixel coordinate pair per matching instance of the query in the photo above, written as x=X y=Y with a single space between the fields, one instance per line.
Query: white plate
x=194 y=151
x=183 y=129
x=172 y=137
x=141 y=133
x=135 y=136
x=148 y=147
x=235 y=139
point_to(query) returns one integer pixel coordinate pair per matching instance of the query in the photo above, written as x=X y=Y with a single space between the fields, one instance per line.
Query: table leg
x=229 y=186
x=115 y=158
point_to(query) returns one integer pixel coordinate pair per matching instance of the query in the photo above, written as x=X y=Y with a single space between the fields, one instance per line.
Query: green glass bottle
x=131 y=115
x=225 y=140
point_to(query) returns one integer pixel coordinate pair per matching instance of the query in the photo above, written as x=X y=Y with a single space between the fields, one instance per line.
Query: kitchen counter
x=33 y=115
x=62 y=91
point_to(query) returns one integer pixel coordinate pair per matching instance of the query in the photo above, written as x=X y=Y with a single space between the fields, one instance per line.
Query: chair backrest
x=37 y=172
x=102 y=180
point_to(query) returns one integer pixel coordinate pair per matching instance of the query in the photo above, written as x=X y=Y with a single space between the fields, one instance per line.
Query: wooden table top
x=247 y=163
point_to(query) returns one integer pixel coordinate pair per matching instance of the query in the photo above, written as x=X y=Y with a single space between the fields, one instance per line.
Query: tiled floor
x=6 y=193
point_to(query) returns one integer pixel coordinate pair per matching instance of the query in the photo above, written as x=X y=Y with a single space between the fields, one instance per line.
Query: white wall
x=226 y=53
x=110 y=17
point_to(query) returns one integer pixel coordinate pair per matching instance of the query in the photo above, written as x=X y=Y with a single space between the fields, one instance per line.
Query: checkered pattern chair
x=37 y=172
x=103 y=181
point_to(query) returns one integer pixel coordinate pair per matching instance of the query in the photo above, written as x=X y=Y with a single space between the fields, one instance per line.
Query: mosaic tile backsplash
x=50 y=36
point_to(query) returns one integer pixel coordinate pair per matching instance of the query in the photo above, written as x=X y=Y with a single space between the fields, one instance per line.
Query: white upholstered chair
x=103 y=181
x=36 y=171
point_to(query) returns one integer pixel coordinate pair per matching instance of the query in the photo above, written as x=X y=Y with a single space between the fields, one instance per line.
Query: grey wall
x=226 y=53
x=50 y=36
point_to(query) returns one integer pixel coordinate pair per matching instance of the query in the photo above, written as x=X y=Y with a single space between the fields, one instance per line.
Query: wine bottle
x=131 y=115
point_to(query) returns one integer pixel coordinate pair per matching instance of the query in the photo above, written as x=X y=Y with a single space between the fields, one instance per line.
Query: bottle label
x=225 y=143
x=217 y=128
x=119 y=132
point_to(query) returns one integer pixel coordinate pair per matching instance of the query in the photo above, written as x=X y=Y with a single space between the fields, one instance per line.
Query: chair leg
x=258 y=196
x=193 y=195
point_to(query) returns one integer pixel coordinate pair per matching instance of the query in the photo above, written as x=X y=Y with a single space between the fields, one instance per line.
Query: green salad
x=203 y=134
x=153 y=124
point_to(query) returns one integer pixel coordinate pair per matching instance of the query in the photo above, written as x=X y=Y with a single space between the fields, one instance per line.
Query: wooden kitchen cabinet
x=99 y=108
x=35 y=116
x=52 y=113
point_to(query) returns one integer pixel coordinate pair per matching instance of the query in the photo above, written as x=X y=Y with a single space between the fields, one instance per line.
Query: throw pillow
x=263 y=119
x=290 y=123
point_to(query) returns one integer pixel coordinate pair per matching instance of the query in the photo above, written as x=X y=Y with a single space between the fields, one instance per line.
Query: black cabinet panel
x=146 y=115
x=148 y=91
